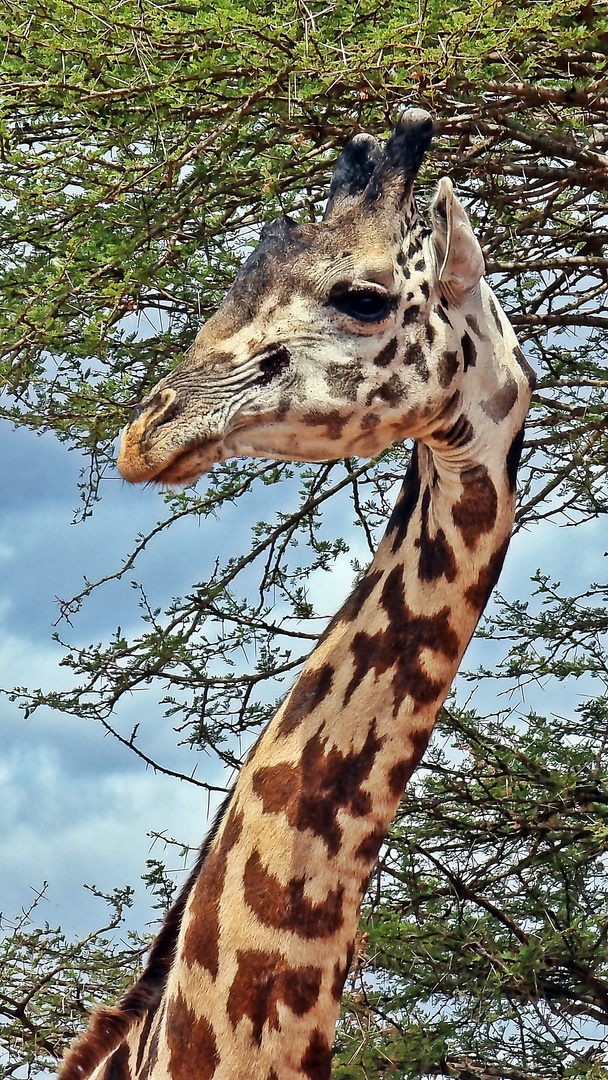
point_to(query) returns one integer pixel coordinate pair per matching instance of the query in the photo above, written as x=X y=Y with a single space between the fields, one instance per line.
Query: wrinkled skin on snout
x=333 y=339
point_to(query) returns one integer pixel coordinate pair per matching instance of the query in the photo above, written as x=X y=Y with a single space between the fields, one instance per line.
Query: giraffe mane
x=110 y=1026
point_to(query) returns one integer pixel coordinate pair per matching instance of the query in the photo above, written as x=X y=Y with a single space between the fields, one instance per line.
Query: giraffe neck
x=267 y=933
x=268 y=917
x=338 y=337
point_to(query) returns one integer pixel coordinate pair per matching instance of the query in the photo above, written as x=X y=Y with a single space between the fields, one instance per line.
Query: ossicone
x=353 y=171
x=363 y=171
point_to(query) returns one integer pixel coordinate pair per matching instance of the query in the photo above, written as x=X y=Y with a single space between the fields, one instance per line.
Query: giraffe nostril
x=160 y=408
x=137 y=411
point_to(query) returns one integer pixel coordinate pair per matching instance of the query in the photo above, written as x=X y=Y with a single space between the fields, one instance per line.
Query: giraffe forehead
x=373 y=264
x=311 y=258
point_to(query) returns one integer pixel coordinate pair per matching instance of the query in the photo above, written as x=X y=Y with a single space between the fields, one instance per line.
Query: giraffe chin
x=174 y=469
x=187 y=466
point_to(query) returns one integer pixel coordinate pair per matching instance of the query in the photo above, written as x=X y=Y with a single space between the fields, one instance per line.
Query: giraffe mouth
x=156 y=448
x=189 y=464
x=144 y=459
x=141 y=460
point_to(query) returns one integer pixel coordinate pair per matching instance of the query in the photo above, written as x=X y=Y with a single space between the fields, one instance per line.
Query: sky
x=75 y=806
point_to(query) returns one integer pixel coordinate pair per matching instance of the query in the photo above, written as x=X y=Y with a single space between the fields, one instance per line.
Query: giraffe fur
x=337 y=338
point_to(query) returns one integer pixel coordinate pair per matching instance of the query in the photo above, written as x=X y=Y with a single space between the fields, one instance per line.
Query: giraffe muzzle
x=151 y=449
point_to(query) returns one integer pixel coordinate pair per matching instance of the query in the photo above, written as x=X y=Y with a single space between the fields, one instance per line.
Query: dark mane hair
x=109 y=1027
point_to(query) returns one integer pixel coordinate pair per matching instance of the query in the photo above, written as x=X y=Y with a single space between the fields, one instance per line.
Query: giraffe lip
x=189 y=463
x=200 y=454
x=156 y=461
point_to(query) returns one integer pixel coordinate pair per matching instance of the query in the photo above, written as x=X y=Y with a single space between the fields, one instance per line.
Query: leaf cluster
x=50 y=983
x=485 y=949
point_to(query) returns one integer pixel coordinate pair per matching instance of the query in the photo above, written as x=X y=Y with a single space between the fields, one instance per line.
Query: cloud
x=76 y=807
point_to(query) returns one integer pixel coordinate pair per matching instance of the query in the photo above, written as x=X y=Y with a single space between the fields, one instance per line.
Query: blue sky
x=76 y=807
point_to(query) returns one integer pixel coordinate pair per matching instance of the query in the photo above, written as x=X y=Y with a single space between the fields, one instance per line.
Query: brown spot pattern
x=477 y=595
x=406 y=503
x=447 y=367
x=501 y=404
x=340 y=973
x=475 y=511
x=436 y=555
x=469 y=352
x=386 y=354
x=471 y=321
x=309 y=691
x=513 y=457
x=399 y=775
x=525 y=367
x=419 y=739
x=333 y=422
x=370 y=421
x=117 y=1067
x=316 y=1060
x=262 y=981
x=152 y=1052
x=369 y=847
x=356 y=600
x=191 y=1043
x=143 y=1039
x=459 y=434
x=450 y=405
x=312 y=791
x=496 y=316
x=344 y=380
x=201 y=943
x=399 y=647
x=410 y=315
x=274 y=785
x=284 y=907
x=274 y=362
x=414 y=357
x=390 y=391
x=401 y=771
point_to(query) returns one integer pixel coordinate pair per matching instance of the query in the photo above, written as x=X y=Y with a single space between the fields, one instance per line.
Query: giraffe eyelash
x=365 y=303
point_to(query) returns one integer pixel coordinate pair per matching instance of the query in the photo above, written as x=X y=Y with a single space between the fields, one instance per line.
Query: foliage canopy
x=142 y=144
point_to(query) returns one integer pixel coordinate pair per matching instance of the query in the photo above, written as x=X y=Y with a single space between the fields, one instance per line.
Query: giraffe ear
x=352 y=173
x=459 y=256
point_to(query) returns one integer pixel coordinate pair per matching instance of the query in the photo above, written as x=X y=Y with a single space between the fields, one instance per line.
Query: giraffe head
x=337 y=337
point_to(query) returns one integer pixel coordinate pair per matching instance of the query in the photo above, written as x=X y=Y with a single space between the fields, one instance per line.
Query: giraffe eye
x=365 y=305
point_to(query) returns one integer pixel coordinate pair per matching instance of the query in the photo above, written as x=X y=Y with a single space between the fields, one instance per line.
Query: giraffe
x=337 y=338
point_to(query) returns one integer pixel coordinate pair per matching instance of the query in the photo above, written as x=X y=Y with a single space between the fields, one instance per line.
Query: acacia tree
x=142 y=146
